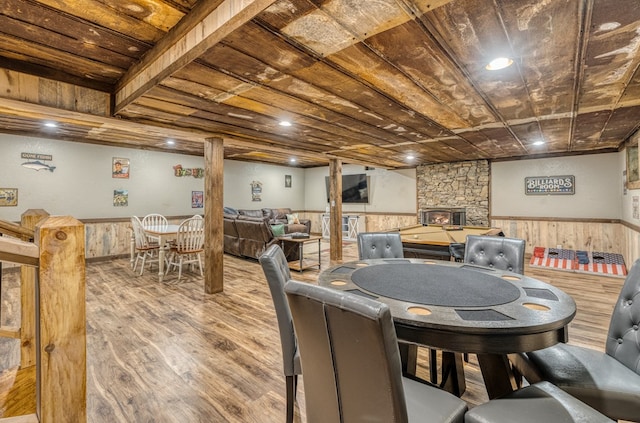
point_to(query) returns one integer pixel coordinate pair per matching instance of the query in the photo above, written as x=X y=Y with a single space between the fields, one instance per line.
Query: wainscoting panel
x=589 y=235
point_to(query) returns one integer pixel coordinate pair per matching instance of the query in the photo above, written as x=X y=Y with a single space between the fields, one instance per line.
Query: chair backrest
x=276 y=270
x=373 y=245
x=350 y=357
x=496 y=252
x=190 y=236
x=154 y=220
x=139 y=234
x=623 y=342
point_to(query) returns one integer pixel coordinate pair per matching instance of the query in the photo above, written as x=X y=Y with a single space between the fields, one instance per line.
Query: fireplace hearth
x=443 y=216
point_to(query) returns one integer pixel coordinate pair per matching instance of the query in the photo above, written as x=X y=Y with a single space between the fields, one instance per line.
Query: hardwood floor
x=170 y=353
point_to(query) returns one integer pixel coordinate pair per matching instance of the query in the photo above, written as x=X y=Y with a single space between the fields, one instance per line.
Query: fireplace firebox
x=443 y=216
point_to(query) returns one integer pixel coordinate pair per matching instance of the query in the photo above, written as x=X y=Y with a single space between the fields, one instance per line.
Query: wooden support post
x=29 y=219
x=335 y=215
x=213 y=223
x=61 y=320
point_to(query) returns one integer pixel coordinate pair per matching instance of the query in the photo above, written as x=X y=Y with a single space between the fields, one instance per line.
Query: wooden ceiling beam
x=207 y=25
x=22 y=109
x=323 y=157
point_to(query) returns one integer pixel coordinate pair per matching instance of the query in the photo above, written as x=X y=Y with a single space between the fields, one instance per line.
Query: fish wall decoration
x=38 y=165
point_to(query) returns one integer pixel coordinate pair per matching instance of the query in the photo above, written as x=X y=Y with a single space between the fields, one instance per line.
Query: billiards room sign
x=550 y=185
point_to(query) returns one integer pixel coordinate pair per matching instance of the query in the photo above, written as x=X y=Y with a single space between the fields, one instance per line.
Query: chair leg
x=292 y=382
x=135 y=263
x=433 y=366
x=144 y=258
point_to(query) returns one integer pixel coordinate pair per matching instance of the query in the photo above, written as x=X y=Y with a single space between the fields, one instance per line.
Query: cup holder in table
x=536 y=307
x=420 y=311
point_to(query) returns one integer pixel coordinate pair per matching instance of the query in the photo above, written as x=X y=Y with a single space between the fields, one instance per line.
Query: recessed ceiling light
x=170 y=142
x=51 y=125
x=410 y=157
x=499 y=63
x=538 y=143
x=292 y=160
x=285 y=123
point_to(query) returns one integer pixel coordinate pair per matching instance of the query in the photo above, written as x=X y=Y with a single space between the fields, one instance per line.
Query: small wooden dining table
x=461 y=308
x=165 y=234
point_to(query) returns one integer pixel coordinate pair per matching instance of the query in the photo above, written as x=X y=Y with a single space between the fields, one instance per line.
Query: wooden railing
x=50 y=384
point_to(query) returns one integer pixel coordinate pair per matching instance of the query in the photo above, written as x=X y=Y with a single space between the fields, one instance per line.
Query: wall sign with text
x=554 y=185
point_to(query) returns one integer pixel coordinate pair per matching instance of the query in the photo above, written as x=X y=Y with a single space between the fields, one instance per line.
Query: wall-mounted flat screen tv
x=355 y=188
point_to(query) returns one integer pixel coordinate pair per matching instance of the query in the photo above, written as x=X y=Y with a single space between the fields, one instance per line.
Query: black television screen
x=355 y=188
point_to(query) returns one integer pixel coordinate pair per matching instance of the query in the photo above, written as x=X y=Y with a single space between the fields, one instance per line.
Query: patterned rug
x=609 y=264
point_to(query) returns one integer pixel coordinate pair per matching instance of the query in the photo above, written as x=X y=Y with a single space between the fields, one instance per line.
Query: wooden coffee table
x=302 y=263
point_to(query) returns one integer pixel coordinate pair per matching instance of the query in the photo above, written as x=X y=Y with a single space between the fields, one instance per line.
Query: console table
x=349 y=226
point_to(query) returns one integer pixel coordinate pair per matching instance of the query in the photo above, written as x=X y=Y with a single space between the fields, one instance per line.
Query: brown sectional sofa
x=249 y=234
x=279 y=216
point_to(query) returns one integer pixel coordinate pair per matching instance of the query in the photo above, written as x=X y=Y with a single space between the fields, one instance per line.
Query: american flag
x=599 y=262
x=555 y=258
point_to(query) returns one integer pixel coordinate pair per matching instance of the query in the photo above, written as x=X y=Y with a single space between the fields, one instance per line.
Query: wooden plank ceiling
x=366 y=81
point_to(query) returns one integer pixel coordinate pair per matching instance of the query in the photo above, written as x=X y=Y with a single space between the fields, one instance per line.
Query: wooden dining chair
x=188 y=247
x=145 y=250
x=154 y=220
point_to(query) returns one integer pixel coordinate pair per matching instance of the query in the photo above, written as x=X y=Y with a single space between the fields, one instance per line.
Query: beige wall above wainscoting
x=598 y=187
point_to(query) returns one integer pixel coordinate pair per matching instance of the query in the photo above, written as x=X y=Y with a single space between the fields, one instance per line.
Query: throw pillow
x=292 y=219
x=277 y=230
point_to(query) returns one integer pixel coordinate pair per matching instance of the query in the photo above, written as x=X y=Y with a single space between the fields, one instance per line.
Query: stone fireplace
x=443 y=216
x=459 y=185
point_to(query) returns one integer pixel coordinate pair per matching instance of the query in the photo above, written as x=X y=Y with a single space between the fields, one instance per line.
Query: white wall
x=598 y=189
x=82 y=186
x=239 y=175
x=389 y=190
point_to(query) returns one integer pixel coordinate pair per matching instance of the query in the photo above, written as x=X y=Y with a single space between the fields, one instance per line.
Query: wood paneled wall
x=111 y=238
x=631 y=235
x=575 y=234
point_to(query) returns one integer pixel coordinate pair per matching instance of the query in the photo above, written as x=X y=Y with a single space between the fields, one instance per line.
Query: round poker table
x=461 y=308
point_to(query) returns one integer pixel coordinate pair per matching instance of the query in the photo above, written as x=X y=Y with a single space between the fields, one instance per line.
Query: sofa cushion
x=293 y=219
x=278 y=230
x=280 y=213
x=296 y=227
x=251 y=213
x=229 y=210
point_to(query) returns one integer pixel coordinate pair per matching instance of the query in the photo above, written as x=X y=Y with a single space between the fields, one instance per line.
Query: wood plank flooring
x=171 y=353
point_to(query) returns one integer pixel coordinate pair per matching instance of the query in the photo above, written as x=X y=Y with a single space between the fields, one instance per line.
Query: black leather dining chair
x=375 y=245
x=351 y=365
x=495 y=252
x=276 y=270
x=381 y=245
x=351 y=362
x=609 y=381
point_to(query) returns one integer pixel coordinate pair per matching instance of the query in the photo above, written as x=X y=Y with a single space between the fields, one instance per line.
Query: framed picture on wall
x=197 y=199
x=287 y=181
x=120 y=198
x=120 y=168
x=8 y=197
x=633 y=166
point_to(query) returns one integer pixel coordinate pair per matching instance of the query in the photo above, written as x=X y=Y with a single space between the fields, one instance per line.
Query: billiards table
x=433 y=241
